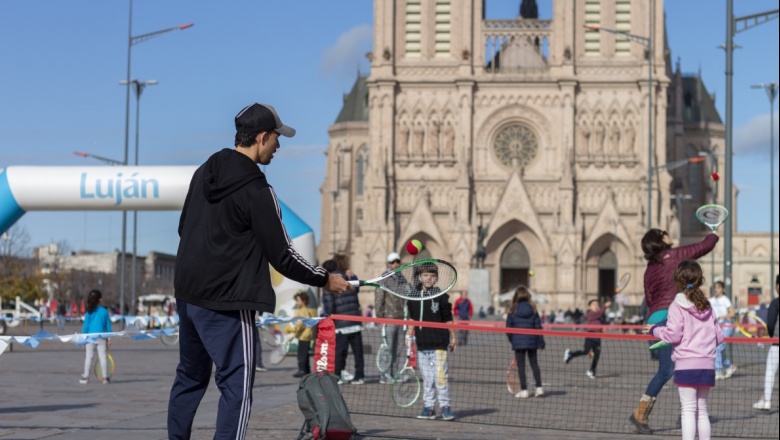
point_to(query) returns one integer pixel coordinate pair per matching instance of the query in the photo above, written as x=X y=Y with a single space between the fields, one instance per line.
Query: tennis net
x=478 y=382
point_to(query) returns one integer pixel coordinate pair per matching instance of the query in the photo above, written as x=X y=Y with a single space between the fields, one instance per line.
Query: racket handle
x=356 y=283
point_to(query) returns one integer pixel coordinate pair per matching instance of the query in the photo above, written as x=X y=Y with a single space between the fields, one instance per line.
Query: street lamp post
x=648 y=43
x=131 y=41
x=734 y=25
x=138 y=87
x=771 y=93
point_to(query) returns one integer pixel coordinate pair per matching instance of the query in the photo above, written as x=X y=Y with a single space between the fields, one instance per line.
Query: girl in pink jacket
x=693 y=331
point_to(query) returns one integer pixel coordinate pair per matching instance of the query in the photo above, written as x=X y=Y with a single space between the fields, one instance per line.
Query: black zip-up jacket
x=437 y=309
x=230 y=231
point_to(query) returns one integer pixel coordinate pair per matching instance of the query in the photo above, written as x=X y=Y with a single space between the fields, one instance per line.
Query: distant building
x=75 y=274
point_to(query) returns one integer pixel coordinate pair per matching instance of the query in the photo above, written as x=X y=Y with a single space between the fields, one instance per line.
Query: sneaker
x=106 y=380
x=260 y=368
x=763 y=405
x=730 y=371
x=299 y=374
x=386 y=380
x=358 y=382
x=84 y=379
x=539 y=392
x=566 y=356
x=446 y=414
x=523 y=394
x=346 y=375
x=427 y=413
x=590 y=374
x=719 y=375
x=342 y=381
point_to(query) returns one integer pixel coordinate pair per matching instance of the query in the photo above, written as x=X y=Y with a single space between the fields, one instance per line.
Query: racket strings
x=422 y=281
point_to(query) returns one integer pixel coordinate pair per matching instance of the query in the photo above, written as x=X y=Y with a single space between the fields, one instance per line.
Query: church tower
x=524 y=137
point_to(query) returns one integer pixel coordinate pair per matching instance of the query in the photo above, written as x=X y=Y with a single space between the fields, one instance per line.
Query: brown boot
x=641 y=417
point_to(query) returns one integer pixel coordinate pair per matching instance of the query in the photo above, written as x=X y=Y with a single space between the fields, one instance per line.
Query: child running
x=694 y=333
x=595 y=316
x=432 y=344
x=522 y=314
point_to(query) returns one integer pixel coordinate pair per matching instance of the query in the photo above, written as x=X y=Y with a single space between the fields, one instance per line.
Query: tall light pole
x=138 y=87
x=131 y=41
x=648 y=43
x=734 y=25
x=771 y=93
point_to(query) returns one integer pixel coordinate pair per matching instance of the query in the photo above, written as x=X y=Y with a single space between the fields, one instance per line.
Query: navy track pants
x=227 y=340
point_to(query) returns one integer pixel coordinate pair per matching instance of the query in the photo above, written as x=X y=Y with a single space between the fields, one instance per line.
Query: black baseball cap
x=256 y=117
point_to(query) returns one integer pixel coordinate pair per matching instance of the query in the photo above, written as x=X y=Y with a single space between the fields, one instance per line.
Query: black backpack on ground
x=324 y=408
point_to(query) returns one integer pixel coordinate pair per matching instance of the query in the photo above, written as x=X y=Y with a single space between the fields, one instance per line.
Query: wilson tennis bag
x=324 y=408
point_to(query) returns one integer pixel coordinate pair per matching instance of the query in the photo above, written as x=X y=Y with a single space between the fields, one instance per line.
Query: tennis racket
x=408 y=280
x=272 y=335
x=712 y=215
x=406 y=384
x=280 y=351
x=752 y=326
x=384 y=357
x=659 y=344
x=512 y=379
x=97 y=370
x=623 y=282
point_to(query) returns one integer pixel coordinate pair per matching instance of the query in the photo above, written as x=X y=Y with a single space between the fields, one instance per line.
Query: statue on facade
x=403 y=146
x=419 y=141
x=529 y=9
x=448 y=146
x=433 y=140
x=614 y=141
x=481 y=254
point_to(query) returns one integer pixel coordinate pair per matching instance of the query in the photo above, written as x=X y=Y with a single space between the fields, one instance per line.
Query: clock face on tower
x=515 y=145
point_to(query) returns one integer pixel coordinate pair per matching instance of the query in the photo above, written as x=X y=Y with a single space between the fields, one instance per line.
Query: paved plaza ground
x=42 y=399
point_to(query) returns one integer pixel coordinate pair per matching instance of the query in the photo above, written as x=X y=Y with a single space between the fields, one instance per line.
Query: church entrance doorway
x=515 y=265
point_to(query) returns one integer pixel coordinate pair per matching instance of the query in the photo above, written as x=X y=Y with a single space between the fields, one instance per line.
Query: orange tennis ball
x=414 y=247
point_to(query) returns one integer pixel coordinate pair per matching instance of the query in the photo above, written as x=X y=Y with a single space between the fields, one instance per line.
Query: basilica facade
x=520 y=146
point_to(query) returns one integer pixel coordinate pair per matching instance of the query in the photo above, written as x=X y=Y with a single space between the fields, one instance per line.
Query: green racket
x=659 y=344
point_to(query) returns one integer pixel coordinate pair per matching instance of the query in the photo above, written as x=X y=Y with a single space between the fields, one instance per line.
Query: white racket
x=712 y=215
x=406 y=283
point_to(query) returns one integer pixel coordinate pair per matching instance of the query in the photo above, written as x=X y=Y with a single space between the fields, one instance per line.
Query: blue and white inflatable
x=110 y=188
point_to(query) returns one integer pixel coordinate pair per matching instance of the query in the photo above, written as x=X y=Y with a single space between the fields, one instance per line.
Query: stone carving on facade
x=630 y=140
x=418 y=141
x=614 y=141
x=433 y=140
x=597 y=144
x=403 y=145
x=448 y=145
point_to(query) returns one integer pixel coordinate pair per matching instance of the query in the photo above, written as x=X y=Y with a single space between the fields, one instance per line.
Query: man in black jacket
x=231 y=232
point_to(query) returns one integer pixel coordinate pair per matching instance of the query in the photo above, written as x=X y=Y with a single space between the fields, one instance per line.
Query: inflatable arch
x=112 y=188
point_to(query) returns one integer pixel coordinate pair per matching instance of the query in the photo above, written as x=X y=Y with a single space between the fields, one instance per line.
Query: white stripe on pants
x=772 y=361
x=434 y=368
x=101 y=348
x=693 y=413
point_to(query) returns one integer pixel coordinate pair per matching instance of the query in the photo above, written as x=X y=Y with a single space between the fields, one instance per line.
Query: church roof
x=698 y=104
x=355 y=107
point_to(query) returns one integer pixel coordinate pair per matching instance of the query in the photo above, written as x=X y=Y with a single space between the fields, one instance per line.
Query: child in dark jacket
x=595 y=316
x=522 y=314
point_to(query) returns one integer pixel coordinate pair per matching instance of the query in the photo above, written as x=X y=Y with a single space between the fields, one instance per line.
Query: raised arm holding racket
x=660 y=290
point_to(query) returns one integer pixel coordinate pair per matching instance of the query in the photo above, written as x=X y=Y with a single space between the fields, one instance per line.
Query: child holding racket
x=773 y=357
x=694 y=333
x=96 y=321
x=303 y=333
x=660 y=291
x=432 y=343
x=522 y=314
x=724 y=313
x=595 y=316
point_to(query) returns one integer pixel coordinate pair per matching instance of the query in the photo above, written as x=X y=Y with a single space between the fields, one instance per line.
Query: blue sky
x=60 y=63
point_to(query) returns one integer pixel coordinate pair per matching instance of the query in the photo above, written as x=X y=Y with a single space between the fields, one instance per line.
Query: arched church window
x=515 y=145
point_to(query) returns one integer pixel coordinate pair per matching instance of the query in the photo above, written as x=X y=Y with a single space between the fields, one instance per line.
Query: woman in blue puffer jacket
x=522 y=314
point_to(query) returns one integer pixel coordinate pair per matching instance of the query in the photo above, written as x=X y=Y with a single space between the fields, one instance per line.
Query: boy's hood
x=689 y=307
